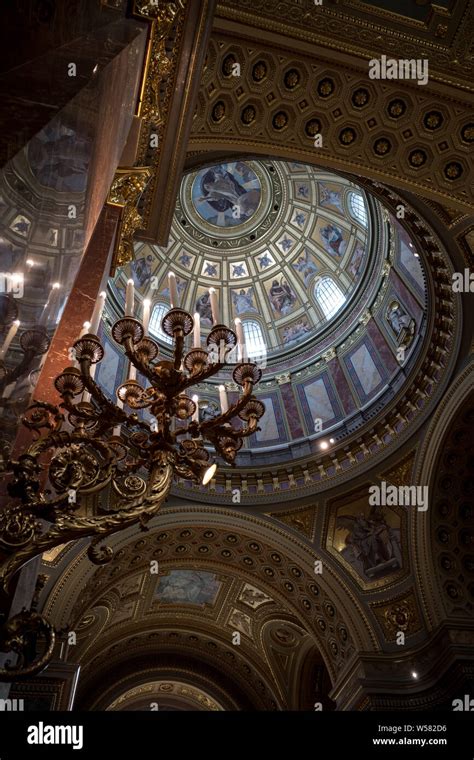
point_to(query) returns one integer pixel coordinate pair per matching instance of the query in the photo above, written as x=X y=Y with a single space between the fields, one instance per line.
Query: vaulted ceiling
x=250 y=566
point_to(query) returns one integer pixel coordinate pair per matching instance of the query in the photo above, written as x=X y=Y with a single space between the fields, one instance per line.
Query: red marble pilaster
x=343 y=388
x=291 y=410
x=380 y=343
x=90 y=280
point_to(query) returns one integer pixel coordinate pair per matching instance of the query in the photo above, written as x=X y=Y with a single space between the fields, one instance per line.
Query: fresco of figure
x=203 y=308
x=227 y=194
x=306 y=266
x=331 y=197
x=243 y=300
x=282 y=298
x=333 y=240
x=294 y=332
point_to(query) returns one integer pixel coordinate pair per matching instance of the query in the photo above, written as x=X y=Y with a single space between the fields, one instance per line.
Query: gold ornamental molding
x=159 y=66
x=417 y=139
x=348 y=27
x=178 y=40
x=401 y=473
x=156 y=689
x=125 y=192
x=302 y=520
x=397 y=615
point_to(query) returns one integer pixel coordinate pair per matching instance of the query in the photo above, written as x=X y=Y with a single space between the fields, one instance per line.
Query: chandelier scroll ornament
x=97 y=467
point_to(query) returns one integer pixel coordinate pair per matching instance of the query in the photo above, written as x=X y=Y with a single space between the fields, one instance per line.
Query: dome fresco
x=327 y=283
x=226 y=195
x=264 y=233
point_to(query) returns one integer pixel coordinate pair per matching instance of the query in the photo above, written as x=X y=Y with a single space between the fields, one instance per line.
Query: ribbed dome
x=285 y=245
x=328 y=285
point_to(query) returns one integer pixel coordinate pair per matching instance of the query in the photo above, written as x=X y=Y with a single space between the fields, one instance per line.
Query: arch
x=329 y=591
x=424 y=473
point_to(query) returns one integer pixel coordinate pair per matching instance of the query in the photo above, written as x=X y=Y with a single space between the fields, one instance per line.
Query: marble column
x=90 y=280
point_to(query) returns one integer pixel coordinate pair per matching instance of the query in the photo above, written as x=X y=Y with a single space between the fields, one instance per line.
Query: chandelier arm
x=231 y=432
x=57 y=438
x=183 y=469
x=227 y=457
x=250 y=429
x=209 y=371
x=135 y=465
x=134 y=357
x=117 y=414
x=70 y=527
x=20 y=635
x=72 y=408
x=44 y=416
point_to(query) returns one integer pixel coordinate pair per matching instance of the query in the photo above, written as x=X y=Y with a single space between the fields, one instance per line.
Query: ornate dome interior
x=266 y=234
x=283 y=226
x=328 y=285
x=187 y=144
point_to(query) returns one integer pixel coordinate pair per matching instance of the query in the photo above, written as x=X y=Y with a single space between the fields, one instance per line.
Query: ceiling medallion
x=292 y=79
x=226 y=195
x=467 y=133
x=433 y=120
x=259 y=71
x=248 y=115
x=417 y=158
x=453 y=170
x=325 y=87
x=313 y=127
x=228 y=64
x=360 y=97
x=397 y=108
x=280 y=120
x=347 y=136
x=227 y=204
x=382 y=146
x=218 y=112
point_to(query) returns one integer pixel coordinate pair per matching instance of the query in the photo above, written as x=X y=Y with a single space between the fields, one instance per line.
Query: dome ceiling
x=329 y=277
x=264 y=233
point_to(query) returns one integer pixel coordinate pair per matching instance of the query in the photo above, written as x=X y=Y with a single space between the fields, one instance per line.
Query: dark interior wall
x=40 y=79
x=38 y=26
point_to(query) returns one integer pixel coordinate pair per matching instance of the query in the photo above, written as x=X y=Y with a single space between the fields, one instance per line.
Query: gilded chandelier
x=90 y=447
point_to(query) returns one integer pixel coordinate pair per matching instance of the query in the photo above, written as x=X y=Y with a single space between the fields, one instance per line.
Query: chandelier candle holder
x=86 y=446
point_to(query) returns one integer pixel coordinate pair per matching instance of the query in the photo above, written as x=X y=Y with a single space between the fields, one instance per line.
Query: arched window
x=154 y=326
x=329 y=296
x=254 y=342
x=357 y=207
